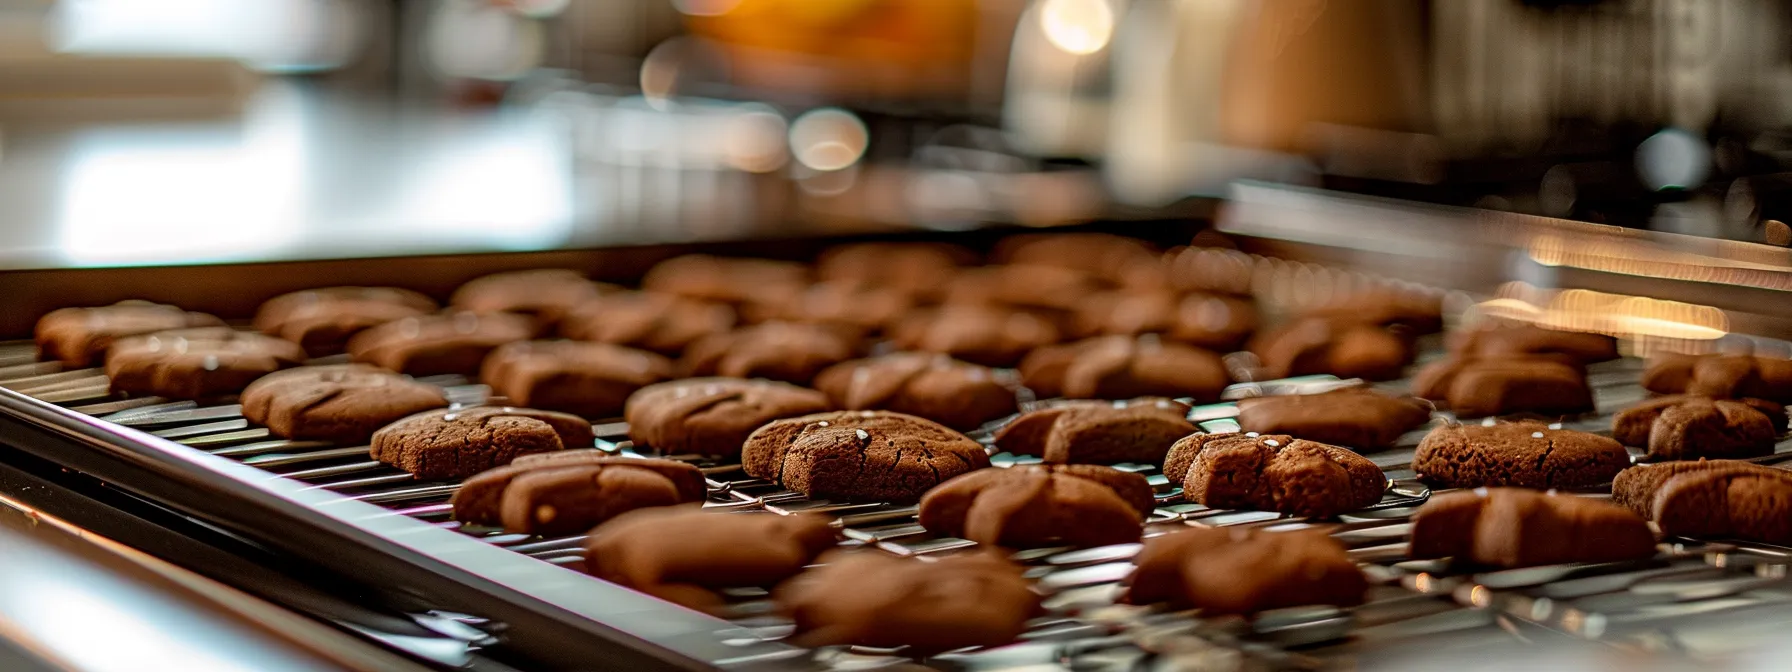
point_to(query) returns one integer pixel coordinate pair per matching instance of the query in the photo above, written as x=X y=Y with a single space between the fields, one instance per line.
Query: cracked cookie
x=860 y=456
x=79 y=337
x=986 y=335
x=1231 y=570
x=342 y=404
x=1635 y=488
x=1314 y=345
x=1273 y=473
x=1034 y=506
x=196 y=363
x=712 y=416
x=573 y=491
x=1711 y=498
x=1123 y=367
x=659 y=323
x=688 y=556
x=462 y=442
x=545 y=294
x=956 y=394
x=1139 y=430
x=1514 y=527
x=1354 y=417
x=588 y=379
x=873 y=599
x=322 y=320
x=1211 y=321
x=435 y=345
x=1482 y=387
x=1684 y=427
x=784 y=351
x=1720 y=376
x=731 y=280
x=1524 y=454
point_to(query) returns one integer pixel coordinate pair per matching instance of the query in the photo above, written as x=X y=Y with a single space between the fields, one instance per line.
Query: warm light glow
x=753 y=140
x=1077 y=26
x=828 y=139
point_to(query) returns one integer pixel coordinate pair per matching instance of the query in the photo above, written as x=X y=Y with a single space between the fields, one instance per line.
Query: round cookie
x=1123 y=367
x=1034 y=506
x=986 y=335
x=873 y=599
x=860 y=456
x=956 y=394
x=920 y=270
x=323 y=320
x=1237 y=570
x=545 y=294
x=589 y=379
x=435 y=345
x=712 y=416
x=463 y=442
x=685 y=555
x=660 y=323
x=343 y=404
x=1273 y=473
x=196 y=363
x=1523 y=454
x=79 y=337
x=1139 y=430
x=1683 y=427
x=1355 y=417
x=783 y=351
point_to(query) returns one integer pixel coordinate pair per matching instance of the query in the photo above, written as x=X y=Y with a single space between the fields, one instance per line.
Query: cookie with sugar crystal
x=343 y=404
x=1357 y=418
x=712 y=416
x=196 y=363
x=860 y=456
x=1523 y=454
x=463 y=442
x=1033 y=506
x=79 y=337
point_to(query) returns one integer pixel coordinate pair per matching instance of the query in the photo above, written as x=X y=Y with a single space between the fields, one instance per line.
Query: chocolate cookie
x=1236 y=570
x=439 y=344
x=987 y=335
x=1506 y=341
x=1355 y=417
x=574 y=492
x=79 y=337
x=545 y=294
x=725 y=279
x=920 y=270
x=1211 y=321
x=1635 y=488
x=1720 y=376
x=1123 y=367
x=1728 y=504
x=463 y=442
x=1115 y=259
x=686 y=556
x=1684 y=427
x=196 y=363
x=859 y=309
x=1513 y=527
x=659 y=323
x=322 y=320
x=1140 y=430
x=1410 y=311
x=712 y=416
x=860 y=456
x=342 y=404
x=1273 y=473
x=1524 y=454
x=1312 y=346
x=784 y=351
x=1482 y=387
x=956 y=394
x=1033 y=506
x=872 y=599
x=588 y=379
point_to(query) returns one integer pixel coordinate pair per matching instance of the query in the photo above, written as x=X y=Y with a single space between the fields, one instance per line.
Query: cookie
x=1726 y=503
x=784 y=351
x=872 y=599
x=196 y=363
x=545 y=294
x=463 y=442
x=1034 y=506
x=858 y=309
x=1115 y=259
x=79 y=337
x=1210 y=270
x=1506 y=341
x=435 y=345
x=1314 y=346
x=1211 y=321
x=1354 y=417
x=1273 y=473
x=576 y=491
x=1635 y=488
x=687 y=556
x=712 y=416
x=987 y=335
x=1053 y=290
x=1476 y=388
x=860 y=456
x=1514 y=527
x=725 y=279
x=1685 y=427
x=659 y=323
x=1668 y=372
x=322 y=320
x=1720 y=376
x=1410 y=311
x=920 y=270
x=1523 y=454
x=956 y=394
x=1123 y=367
x=1244 y=571
x=343 y=404
x=588 y=379
x=1140 y=430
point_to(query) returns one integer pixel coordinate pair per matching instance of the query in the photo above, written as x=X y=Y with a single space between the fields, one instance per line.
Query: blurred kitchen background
x=193 y=131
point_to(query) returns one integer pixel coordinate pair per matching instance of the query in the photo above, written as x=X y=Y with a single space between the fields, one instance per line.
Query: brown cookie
x=660 y=323
x=1684 y=427
x=1313 y=346
x=1140 y=430
x=1210 y=269
x=588 y=379
x=1123 y=367
x=860 y=456
x=1273 y=473
x=573 y=493
x=956 y=394
x=872 y=599
x=987 y=335
x=1635 y=488
x=686 y=556
x=1514 y=527
x=342 y=404
x=725 y=279
x=1729 y=503
x=712 y=416
x=79 y=337
x=434 y=345
x=1244 y=571
x=920 y=270
x=1476 y=388
x=1668 y=372
x=322 y=320
x=463 y=442
x=1524 y=454
x=1720 y=376
x=854 y=308
x=1051 y=290
x=784 y=351
x=1410 y=311
x=1033 y=506
x=1115 y=259
x=1355 y=417
x=196 y=363
x=545 y=294
x=1520 y=340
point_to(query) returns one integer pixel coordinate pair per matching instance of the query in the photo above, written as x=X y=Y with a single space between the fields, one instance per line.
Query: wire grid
x=1699 y=598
